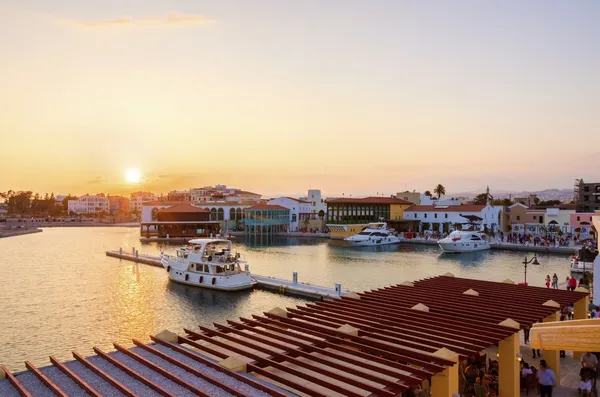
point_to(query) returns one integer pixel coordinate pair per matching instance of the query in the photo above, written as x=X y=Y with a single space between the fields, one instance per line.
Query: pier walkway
x=282 y=286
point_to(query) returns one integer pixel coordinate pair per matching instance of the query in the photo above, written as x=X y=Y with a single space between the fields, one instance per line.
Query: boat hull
x=458 y=247
x=373 y=242
x=222 y=283
x=581 y=267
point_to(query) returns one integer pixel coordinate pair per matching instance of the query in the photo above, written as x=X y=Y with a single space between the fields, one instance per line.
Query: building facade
x=89 y=204
x=347 y=216
x=444 y=218
x=263 y=220
x=588 y=196
x=179 y=195
x=118 y=205
x=138 y=199
x=581 y=223
x=317 y=202
x=413 y=197
x=300 y=212
x=179 y=220
x=538 y=220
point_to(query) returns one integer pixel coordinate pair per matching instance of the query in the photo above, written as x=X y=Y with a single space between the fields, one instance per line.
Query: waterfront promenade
x=498 y=245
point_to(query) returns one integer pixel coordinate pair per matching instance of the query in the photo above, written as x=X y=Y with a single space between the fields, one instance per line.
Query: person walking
x=546 y=379
x=572 y=283
x=555 y=281
x=548 y=280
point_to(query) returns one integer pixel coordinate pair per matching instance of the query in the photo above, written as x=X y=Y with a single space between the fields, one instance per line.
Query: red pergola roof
x=305 y=351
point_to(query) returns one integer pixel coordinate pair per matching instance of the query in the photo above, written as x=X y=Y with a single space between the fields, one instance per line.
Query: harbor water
x=60 y=293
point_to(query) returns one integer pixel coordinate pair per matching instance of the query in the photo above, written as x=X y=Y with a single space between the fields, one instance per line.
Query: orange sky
x=277 y=98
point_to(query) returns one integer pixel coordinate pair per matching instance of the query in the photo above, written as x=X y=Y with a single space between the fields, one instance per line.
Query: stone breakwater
x=11 y=232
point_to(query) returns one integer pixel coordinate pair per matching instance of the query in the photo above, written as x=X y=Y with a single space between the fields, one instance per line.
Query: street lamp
x=526 y=262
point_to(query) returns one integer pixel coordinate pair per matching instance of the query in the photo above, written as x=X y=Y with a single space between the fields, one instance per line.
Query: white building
x=300 y=211
x=138 y=199
x=220 y=193
x=316 y=201
x=435 y=216
x=427 y=200
x=89 y=204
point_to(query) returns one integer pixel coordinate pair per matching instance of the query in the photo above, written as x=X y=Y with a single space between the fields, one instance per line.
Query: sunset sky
x=276 y=96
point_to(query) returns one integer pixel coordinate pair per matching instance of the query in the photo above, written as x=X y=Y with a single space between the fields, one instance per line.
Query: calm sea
x=60 y=293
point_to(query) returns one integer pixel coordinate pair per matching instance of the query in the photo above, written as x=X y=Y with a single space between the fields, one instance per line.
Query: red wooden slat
x=264 y=362
x=89 y=389
x=161 y=371
x=377 y=331
x=132 y=373
x=187 y=368
x=308 y=347
x=15 y=383
x=414 y=328
x=438 y=322
x=312 y=357
x=103 y=375
x=377 y=352
x=290 y=383
x=421 y=359
x=210 y=364
x=45 y=380
x=377 y=357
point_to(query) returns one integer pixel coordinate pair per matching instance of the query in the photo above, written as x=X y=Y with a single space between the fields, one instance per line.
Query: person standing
x=548 y=281
x=572 y=283
x=546 y=379
x=555 y=281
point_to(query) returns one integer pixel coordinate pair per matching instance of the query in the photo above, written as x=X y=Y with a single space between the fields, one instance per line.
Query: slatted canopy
x=308 y=349
x=377 y=343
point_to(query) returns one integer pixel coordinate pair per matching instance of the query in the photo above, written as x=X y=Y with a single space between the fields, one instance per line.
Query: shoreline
x=71 y=224
x=18 y=232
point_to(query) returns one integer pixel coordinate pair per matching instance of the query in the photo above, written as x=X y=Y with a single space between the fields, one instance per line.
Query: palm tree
x=427 y=193
x=440 y=190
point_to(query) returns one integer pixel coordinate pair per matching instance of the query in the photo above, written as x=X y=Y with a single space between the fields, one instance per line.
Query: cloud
x=96 y=181
x=172 y=18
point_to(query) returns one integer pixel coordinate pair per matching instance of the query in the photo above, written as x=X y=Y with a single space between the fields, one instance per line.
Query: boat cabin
x=210 y=256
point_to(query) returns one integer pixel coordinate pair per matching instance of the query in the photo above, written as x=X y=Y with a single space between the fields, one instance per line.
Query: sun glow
x=133 y=176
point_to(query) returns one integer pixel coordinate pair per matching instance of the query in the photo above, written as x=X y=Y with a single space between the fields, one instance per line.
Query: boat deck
x=286 y=287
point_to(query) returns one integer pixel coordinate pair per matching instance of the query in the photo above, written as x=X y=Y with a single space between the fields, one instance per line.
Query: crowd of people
x=548 y=240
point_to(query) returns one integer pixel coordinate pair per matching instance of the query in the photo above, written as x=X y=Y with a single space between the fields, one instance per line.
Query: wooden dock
x=279 y=285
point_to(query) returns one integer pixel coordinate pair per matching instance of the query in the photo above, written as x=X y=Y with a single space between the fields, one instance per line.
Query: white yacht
x=464 y=241
x=373 y=234
x=208 y=263
x=584 y=261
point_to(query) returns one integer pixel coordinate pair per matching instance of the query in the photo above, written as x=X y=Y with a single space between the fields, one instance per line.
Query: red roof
x=369 y=200
x=183 y=207
x=263 y=206
x=444 y=208
x=245 y=192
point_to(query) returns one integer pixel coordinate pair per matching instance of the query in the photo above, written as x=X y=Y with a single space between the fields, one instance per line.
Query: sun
x=133 y=175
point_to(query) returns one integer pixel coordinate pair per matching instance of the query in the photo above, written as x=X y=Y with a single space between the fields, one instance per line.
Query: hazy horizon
x=346 y=96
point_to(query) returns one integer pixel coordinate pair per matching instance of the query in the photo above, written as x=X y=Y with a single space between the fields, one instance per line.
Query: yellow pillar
x=445 y=384
x=509 y=379
x=552 y=357
x=581 y=308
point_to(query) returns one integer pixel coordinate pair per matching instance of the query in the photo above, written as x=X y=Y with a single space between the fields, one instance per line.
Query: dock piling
x=295 y=277
x=338 y=289
x=121 y=251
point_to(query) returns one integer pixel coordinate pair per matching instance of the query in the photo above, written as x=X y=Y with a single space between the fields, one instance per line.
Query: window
x=435 y=216
x=415 y=215
x=518 y=217
x=293 y=217
x=586 y=188
x=425 y=215
x=446 y=216
x=534 y=217
x=578 y=219
x=586 y=198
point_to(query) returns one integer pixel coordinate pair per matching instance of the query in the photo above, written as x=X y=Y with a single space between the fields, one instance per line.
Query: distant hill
x=546 y=194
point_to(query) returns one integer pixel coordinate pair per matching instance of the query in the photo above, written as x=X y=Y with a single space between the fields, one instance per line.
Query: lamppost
x=526 y=262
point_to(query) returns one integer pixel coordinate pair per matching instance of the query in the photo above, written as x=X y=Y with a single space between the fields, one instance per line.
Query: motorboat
x=373 y=234
x=208 y=263
x=464 y=241
x=584 y=260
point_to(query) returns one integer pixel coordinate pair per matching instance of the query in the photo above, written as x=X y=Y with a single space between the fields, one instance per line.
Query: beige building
x=413 y=197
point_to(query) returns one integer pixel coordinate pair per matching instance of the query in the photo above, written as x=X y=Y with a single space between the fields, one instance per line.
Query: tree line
x=26 y=202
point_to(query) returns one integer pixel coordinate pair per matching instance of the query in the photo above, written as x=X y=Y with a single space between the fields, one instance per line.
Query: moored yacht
x=208 y=263
x=464 y=241
x=584 y=261
x=373 y=234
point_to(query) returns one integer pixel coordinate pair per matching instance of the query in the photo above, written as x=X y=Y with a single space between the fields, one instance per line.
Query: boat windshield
x=365 y=233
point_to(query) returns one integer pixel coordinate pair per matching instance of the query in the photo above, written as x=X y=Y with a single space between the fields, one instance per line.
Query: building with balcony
x=89 y=204
x=444 y=218
x=300 y=212
x=587 y=196
x=537 y=219
x=347 y=216
x=581 y=224
x=137 y=200
x=179 y=195
x=118 y=205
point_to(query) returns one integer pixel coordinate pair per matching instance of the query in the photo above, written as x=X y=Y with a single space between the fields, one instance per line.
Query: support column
x=580 y=312
x=508 y=350
x=552 y=357
x=445 y=383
